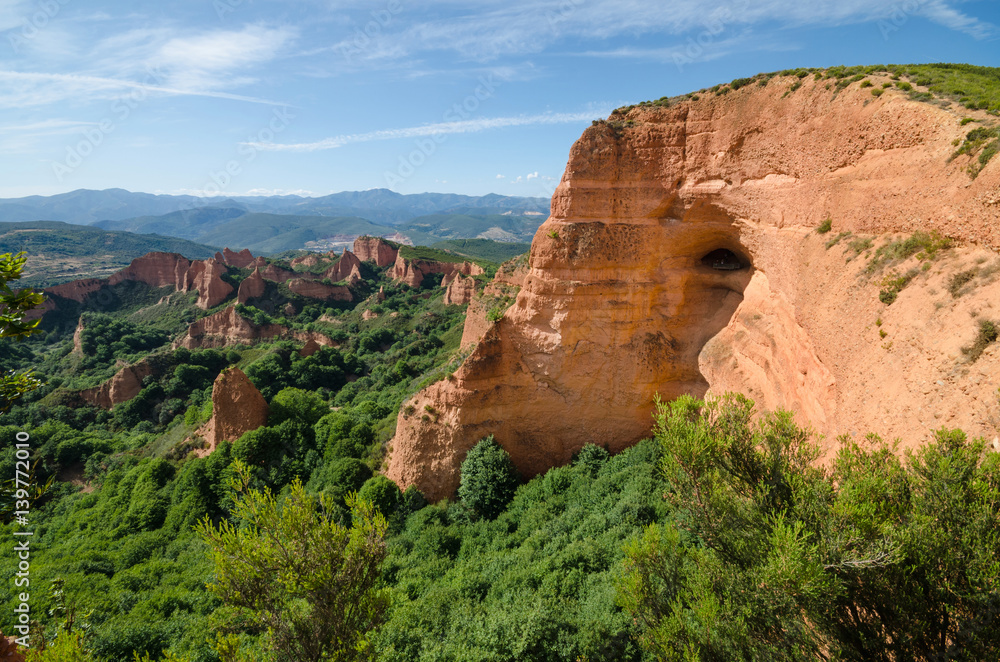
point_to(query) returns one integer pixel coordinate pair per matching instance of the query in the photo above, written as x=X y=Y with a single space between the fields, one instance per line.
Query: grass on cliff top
x=972 y=86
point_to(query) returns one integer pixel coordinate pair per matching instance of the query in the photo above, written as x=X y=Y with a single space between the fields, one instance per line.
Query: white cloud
x=205 y=61
x=526 y=26
x=33 y=89
x=500 y=177
x=532 y=175
x=441 y=128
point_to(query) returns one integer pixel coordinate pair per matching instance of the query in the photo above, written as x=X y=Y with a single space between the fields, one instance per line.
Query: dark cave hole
x=724 y=259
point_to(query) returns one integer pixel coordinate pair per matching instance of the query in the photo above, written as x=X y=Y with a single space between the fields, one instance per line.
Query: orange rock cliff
x=681 y=256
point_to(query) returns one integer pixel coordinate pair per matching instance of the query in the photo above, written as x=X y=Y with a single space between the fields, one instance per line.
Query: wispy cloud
x=34 y=88
x=440 y=128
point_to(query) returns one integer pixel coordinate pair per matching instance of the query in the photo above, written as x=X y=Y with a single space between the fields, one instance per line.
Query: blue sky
x=241 y=97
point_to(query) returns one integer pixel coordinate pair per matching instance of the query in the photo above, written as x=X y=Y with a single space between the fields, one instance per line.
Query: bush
x=774 y=558
x=988 y=333
x=825 y=226
x=959 y=280
x=488 y=480
x=382 y=493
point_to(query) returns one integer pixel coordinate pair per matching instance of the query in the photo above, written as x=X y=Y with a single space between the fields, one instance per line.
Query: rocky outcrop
x=343 y=267
x=228 y=327
x=310 y=348
x=205 y=277
x=460 y=291
x=9 y=652
x=412 y=271
x=237 y=408
x=242 y=260
x=78 y=337
x=77 y=290
x=375 y=249
x=156 y=270
x=674 y=225
x=253 y=286
x=124 y=386
x=277 y=274
x=312 y=259
x=316 y=290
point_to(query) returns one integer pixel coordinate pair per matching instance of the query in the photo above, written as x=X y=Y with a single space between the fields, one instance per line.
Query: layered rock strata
x=375 y=249
x=672 y=226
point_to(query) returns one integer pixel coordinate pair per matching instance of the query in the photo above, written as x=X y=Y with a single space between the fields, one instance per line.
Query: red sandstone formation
x=241 y=260
x=375 y=249
x=503 y=288
x=310 y=348
x=460 y=290
x=237 y=408
x=9 y=651
x=412 y=272
x=124 y=386
x=681 y=257
x=206 y=277
x=252 y=287
x=228 y=327
x=77 y=290
x=343 y=267
x=316 y=290
x=310 y=260
x=277 y=274
x=156 y=270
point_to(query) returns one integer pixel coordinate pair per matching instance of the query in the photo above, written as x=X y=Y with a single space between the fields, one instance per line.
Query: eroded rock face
x=156 y=270
x=252 y=287
x=690 y=222
x=316 y=290
x=124 y=386
x=242 y=259
x=277 y=274
x=343 y=268
x=228 y=327
x=412 y=272
x=77 y=290
x=205 y=277
x=237 y=408
x=460 y=291
x=376 y=250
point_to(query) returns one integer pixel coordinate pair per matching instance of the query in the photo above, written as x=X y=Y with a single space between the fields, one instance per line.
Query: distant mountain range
x=380 y=206
x=269 y=225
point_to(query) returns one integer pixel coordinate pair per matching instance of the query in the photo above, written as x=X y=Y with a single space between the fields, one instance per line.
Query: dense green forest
x=718 y=538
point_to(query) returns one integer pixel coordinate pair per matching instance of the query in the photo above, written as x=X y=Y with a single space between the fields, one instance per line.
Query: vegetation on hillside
x=483 y=249
x=61 y=252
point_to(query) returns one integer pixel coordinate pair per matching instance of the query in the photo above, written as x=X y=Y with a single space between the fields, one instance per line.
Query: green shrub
x=825 y=226
x=986 y=335
x=488 y=479
x=381 y=493
x=959 y=280
x=775 y=558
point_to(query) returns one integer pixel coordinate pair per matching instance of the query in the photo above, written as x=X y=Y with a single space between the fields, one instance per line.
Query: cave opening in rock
x=723 y=259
